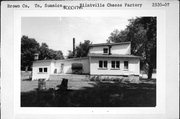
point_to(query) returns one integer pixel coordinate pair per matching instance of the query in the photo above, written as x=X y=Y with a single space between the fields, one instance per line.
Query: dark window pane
x=100 y=64
x=117 y=64
x=105 y=64
x=105 y=50
x=45 y=69
x=125 y=64
x=113 y=64
x=40 y=69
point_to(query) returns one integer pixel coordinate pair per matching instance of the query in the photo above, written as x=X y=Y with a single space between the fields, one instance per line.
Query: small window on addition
x=40 y=70
x=45 y=69
x=105 y=50
x=126 y=65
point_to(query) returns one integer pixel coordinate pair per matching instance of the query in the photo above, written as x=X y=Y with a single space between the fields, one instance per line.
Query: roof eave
x=107 y=44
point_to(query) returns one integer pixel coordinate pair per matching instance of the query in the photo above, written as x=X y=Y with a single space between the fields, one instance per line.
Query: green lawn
x=89 y=94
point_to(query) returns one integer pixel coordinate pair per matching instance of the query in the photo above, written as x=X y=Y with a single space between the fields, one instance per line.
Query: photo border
x=160 y=83
x=169 y=40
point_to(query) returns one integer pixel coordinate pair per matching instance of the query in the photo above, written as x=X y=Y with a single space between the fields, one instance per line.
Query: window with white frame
x=103 y=64
x=43 y=70
x=40 y=70
x=105 y=50
x=115 y=64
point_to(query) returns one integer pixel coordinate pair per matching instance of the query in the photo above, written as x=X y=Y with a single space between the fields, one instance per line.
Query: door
x=62 y=68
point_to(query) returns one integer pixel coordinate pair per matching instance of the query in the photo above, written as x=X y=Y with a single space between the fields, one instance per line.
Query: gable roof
x=109 y=44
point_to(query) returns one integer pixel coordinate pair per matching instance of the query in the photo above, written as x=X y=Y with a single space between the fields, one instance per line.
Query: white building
x=106 y=59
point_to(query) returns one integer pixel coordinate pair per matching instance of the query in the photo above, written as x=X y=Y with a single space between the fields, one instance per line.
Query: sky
x=58 y=32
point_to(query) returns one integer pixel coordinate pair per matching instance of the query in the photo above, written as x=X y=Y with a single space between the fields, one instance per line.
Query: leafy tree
x=43 y=51
x=70 y=54
x=55 y=54
x=118 y=36
x=29 y=46
x=81 y=50
x=142 y=34
x=46 y=53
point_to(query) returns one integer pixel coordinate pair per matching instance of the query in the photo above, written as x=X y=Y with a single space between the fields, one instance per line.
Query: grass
x=89 y=94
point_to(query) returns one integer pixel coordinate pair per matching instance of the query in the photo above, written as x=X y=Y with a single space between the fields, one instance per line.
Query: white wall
x=115 y=49
x=134 y=66
x=68 y=64
x=96 y=49
x=121 y=49
x=35 y=70
x=56 y=64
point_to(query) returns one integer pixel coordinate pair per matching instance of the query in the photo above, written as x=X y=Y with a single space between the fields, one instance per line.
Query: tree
x=81 y=50
x=46 y=53
x=29 y=47
x=142 y=34
x=43 y=51
x=118 y=36
x=70 y=54
x=55 y=54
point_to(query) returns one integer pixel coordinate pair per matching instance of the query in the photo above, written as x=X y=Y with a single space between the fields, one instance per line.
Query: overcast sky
x=58 y=32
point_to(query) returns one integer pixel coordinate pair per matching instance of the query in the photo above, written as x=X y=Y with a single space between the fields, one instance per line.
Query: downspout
x=109 y=49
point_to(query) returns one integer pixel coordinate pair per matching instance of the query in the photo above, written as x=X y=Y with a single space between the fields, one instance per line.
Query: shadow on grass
x=102 y=94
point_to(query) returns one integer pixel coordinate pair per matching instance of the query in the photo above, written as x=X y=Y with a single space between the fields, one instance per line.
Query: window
x=115 y=64
x=45 y=69
x=126 y=65
x=105 y=50
x=112 y=64
x=103 y=64
x=40 y=70
x=100 y=64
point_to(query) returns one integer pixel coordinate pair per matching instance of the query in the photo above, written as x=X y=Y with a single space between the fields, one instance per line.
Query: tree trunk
x=150 y=71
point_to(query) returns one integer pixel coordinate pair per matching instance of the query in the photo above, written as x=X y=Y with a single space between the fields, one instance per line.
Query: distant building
x=106 y=59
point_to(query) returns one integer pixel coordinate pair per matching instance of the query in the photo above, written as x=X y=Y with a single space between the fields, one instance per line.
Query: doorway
x=62 y=68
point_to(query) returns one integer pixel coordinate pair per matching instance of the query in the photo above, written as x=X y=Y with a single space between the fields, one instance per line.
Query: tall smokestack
x=73 y=47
